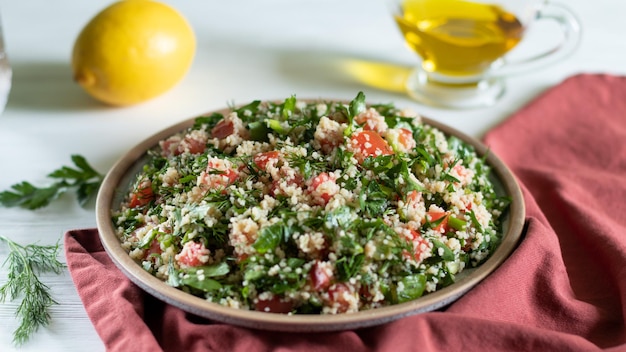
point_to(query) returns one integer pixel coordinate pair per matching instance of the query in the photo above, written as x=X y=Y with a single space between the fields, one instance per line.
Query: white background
x=246 y=50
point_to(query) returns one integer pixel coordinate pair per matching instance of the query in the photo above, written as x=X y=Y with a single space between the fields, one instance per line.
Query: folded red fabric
x=563 y=289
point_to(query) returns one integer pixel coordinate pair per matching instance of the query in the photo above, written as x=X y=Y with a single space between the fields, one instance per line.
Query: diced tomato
x=323 y=187
x=419 y=246
x=142 y=195
x=225 y=167
x=223 y=129
x=463 y=173
x=262 y=159
x=337 y=297
x=232 y=175
x=170 y=146
x=418 y=241
x=275 y=305
x=460 y=169
x=319 y=179
x=241 y=257
x=320 y=276
x=372 y=120
x=328 y=145
x=365 y=293
x=193 y=254
x=405 y=137
x=434 y=216
x=219 y=173
x=192 y=145
x=295 y=180
x=369 y=143
x=413 y=196
x=155 y=247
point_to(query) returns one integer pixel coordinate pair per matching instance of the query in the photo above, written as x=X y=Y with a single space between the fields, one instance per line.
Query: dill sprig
x=83 y=178
x=25 y=262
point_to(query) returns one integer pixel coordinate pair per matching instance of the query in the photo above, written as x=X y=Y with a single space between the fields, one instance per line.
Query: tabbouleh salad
x=310 y=207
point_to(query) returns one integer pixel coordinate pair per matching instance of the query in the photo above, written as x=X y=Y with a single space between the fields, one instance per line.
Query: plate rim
x=301 y=323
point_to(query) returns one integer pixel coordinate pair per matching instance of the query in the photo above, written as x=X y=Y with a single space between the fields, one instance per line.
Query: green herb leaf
x=147 y=239
x=219 y=269
x=456 y=223
x=373 y=200
x=172 y=275
x=378 y=164
x=270 y=237
x=205 y=284
x=248 y=109
x=357 y=106
x=276 y=126
x=475 y=221
x=199 y=277
x=258 y=131
x=289 y=107
x=209 y=121
x=24 y=264
x=349 y=267
x=447 y=253
x=84 y=179
x=339 y=218
x=412 y=287
x=27 y=196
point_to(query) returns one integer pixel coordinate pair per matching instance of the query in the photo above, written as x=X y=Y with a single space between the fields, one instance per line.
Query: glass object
x=5 y=73
x=463 y=45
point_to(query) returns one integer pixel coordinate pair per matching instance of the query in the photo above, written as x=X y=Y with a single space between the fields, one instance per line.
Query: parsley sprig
x=83 y=178
x=25 y=262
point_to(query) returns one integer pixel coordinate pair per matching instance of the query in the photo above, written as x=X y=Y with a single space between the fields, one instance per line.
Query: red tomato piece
x=219 y=173
x=232 y=175
x=223 y=129
x=337 y=297
x=193 y=254
x=275 y=305
x=170 y=146
x=319 y=179
x=405 y=137
x=142 y=195
x=420 y=246
x=262 y=159
x=323 y=187
x=413 y=196
x=295 y=180
x=463 y=173
x=155 y=247
x=329 y=144
x=369 y=143
x=433 y=216
x=193 y=145
x=320 y=276
x=371 y=120
x=460 y=169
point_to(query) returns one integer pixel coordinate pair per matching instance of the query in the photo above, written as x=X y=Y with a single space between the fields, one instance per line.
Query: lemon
x=132 y=51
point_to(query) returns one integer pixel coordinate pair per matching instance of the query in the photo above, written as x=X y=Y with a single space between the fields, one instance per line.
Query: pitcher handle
x=570 y=26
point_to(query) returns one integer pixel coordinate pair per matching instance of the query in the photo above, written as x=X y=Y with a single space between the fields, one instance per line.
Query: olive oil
x=457 y=37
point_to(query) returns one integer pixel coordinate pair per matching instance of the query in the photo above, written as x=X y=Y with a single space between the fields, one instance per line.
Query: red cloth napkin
x=563 y=289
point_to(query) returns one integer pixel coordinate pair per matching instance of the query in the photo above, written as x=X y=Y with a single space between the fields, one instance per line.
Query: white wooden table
x=246 y=50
